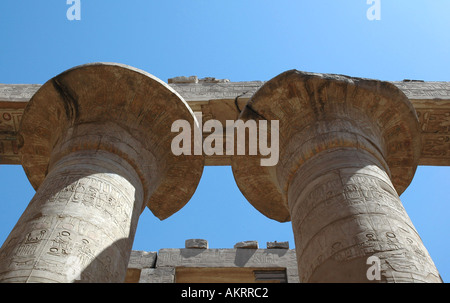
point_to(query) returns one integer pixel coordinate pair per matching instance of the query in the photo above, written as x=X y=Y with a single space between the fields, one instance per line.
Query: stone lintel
x=196 y=243
x=142 y=259
x=279 y=245
x=230 y=258
x=161 y=266
x=218 y=101
x=247 y=245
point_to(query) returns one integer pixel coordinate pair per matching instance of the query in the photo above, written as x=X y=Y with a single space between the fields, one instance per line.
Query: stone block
x=183 y=79
x=142 y=259
x=247 y=244
x=281 y=245
x=196 y=243
x=158 y=275
x=213 y=80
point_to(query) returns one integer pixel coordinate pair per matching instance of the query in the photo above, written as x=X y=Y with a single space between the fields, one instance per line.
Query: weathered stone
x=219 y=101
x=213 y=266
x=348 y=148
x=230 y=258
x=196 y=243
x=247 y=244
x=158 y=275
x=275 y=245
x=94 y=146
x=67 y=234
x=183 y=79
x=142 y=259
x=213 y=80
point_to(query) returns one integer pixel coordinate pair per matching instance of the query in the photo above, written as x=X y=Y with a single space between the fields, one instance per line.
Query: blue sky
x=242 y=41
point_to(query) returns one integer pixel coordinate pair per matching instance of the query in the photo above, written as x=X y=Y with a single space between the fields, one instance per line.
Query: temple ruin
x=95 y=143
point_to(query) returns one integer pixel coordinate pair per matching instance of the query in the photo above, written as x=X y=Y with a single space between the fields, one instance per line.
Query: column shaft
x=348 y=148
x=80 y=225
x=344 y=209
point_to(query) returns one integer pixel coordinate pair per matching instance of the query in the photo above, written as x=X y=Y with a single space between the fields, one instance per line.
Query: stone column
x=96 y=146
x=80 y=225
x=348 y=148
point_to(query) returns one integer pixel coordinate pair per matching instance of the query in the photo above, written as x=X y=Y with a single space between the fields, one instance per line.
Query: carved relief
x=57 y=243
x=9 y=125
x=435 y=121
x=85 y=254
x=73 y=245
x=31 y=243
x=358 y=191
x=424 y=90
x=95 y=193
x=10 y=120
x=61 y=244
x=359 y=217
x=435 y=125
x=436 y=146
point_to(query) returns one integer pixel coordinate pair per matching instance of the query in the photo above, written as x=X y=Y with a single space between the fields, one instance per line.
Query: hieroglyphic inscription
x=430 y=100
x=359 y=190
x=10 y=120
x=72 y=247
x=355 y=216
x=67 y=243
x=424 y=90
x=61 y=233
x=31 y=242
x=9 y=125
x=436 y=146
x=213 y=257
x=94 y=193
x=434 y=121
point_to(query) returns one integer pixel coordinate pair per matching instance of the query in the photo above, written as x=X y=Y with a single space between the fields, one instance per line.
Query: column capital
x=319 y=112
x=119 y=109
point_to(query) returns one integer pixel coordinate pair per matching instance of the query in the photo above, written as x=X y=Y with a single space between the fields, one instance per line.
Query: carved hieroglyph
x=94 y=144
x=225 y=100
x=348 y=148
x=9 y=124
x=80 y=224
x=344 y=213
